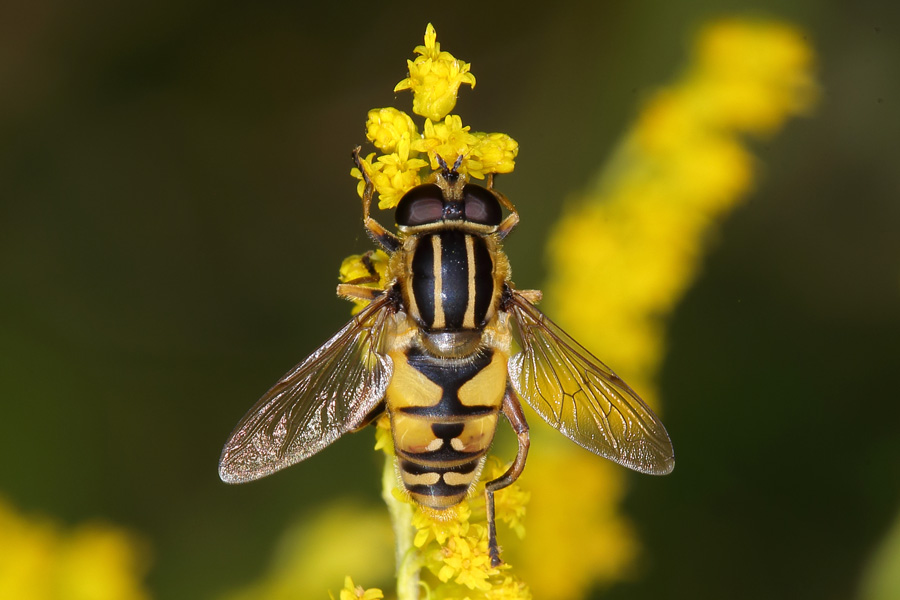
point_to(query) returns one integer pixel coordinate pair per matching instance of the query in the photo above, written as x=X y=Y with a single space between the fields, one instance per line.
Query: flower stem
x=404 y=532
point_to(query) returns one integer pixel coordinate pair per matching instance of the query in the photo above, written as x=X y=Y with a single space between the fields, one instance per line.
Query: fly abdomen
x=443 y=417
x=438 y=487
x=451 y=281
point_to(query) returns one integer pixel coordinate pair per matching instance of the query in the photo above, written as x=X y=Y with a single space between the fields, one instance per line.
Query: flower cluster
x=365 y=269
x=409 y=154
x=352 y=591
x=447 y=551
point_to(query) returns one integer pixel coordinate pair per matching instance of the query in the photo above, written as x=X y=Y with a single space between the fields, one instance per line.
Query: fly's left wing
x=581 y=397
x=325 y=396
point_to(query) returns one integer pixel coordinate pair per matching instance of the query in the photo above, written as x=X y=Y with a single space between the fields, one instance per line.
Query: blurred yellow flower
x=318 y=550
x=434 y=78
x=356 y=592
x=624 y=253
x=40 y=560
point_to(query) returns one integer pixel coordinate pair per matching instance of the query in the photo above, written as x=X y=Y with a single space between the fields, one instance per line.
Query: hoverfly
x=433 y=350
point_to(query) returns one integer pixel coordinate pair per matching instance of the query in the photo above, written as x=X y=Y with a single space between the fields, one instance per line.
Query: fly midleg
x=513 y=411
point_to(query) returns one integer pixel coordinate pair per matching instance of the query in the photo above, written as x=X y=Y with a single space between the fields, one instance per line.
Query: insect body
x=432 y=349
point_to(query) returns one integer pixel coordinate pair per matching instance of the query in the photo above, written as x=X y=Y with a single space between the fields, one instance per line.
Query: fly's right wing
x=581 y=397
x=325 y=396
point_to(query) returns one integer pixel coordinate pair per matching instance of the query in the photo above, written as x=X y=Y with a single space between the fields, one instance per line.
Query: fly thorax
x=450 y=285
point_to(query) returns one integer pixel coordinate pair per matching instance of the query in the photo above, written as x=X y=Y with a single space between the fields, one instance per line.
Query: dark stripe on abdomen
x=441 y=488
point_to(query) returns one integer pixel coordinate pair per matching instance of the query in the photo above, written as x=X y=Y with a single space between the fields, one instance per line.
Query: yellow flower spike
x=434 y=78
x=626 y=252
x=386 y=127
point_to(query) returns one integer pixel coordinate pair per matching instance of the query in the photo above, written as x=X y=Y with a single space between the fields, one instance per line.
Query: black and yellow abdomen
x=443 y=417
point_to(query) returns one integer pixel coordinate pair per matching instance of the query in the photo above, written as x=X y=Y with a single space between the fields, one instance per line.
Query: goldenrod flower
x=447 y=138
x=410 y=154
x=388 y=127
x=434 y=78
x=357 y=592
x=39 y=560
x=365 y=269
x=492 y=153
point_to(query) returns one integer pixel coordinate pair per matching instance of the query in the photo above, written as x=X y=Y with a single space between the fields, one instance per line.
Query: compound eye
x=420 y=205
x=481 y=205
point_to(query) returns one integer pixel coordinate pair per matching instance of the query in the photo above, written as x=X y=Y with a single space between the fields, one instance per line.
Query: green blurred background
x=175 y=201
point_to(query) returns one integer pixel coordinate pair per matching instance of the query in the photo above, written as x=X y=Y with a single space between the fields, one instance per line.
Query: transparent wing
x=581 y=397
x=325 y=396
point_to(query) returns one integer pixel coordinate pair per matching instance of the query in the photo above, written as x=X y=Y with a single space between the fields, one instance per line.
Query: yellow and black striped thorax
x=450 y=283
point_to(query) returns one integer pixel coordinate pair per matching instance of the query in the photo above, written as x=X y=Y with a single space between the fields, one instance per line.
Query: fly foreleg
x=376 y=230
x=512 y=409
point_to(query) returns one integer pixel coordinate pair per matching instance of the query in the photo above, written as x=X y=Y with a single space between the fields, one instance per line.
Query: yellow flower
x=39 y=560
x=448 y=139
x=357 y=592
x=387 y=127
x=439 y=526
x=465 y=560
x=434 y=78
x=510 y=589
x=754 y=74
x=367 y=269
x=492 y=153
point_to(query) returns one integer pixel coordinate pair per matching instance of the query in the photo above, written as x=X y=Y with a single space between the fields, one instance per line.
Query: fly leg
x=376 y=230
x=356 y=289
x=510 y=222
x=512 y=409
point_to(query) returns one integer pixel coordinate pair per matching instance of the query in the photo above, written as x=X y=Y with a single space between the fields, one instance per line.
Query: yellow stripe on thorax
x=439 y=320
x=469 y=318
